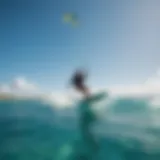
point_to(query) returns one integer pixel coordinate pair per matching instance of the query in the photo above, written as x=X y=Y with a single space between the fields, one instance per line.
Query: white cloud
x=150 y=87
x=4 y=88
x=19 y=86
x=22 y=84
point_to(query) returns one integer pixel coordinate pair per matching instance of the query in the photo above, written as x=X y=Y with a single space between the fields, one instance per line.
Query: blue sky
x=117 y=40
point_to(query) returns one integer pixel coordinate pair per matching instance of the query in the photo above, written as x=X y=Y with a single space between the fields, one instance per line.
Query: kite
x=71 y=18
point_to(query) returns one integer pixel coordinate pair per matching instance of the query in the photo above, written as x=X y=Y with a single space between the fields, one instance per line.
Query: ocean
x=121 y=128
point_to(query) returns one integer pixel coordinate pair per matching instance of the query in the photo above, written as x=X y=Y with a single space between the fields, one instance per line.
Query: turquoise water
x=117 y=129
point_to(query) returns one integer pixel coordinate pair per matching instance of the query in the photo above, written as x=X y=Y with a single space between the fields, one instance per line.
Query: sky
x=116 y=40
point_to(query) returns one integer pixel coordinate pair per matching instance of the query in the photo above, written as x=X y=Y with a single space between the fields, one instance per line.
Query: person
x=78 y=82
x=87 y=117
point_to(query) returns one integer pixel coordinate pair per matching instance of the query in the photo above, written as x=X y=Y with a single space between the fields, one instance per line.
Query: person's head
x=81 y=72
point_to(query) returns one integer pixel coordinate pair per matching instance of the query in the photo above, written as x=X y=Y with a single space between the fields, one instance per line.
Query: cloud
x=22 y=84
x=150 y=88
x=19 y=86
x=4 y=88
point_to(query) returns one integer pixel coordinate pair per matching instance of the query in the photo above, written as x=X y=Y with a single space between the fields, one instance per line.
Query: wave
x=116 y=128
